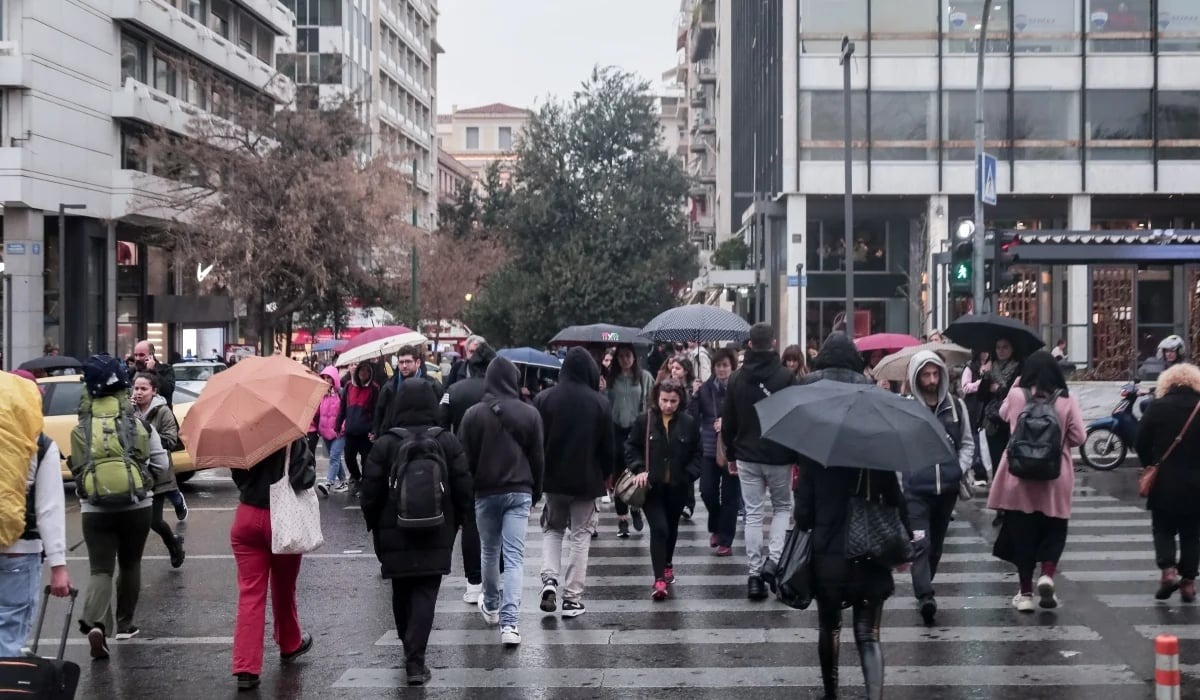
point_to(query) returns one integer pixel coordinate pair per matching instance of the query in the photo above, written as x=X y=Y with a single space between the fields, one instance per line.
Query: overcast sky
x=519 y=51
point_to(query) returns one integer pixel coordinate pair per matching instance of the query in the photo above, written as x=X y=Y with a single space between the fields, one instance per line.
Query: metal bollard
x=1166 y=667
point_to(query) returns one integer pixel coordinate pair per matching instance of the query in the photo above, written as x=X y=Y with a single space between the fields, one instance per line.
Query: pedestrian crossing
x=708 y=637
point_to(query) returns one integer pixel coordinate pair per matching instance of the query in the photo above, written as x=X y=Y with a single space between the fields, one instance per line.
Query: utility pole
x=980 y=229
x=847 y=53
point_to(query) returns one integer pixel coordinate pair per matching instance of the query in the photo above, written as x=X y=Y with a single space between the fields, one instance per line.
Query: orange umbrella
x=253 y=409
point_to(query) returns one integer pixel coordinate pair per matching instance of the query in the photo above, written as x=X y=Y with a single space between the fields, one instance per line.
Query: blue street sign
x=797 y=280
x=987 y=186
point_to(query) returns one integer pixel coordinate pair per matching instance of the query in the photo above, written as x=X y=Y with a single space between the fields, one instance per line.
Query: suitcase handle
x=37 y=635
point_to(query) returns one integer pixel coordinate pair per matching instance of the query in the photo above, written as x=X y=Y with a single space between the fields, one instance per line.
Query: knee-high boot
x=828 y=646
x=867 y=618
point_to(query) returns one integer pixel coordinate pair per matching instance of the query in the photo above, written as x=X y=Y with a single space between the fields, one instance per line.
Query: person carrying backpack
x=115 y=459
x=416 y=493
x=1032 y=486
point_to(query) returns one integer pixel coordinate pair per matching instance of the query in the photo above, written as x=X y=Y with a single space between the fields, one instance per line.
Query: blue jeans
x=334 y=447
x=502 y=520
x=20 y=576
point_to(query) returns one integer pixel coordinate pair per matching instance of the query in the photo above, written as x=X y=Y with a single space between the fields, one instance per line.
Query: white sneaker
x=1023 y=602
x=492 y=617
x=510 y=636
x=1045 y=590
x=472 y=594
x=606 y=500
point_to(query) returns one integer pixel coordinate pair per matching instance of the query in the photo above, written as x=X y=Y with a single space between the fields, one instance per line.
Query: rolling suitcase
x=36 y=677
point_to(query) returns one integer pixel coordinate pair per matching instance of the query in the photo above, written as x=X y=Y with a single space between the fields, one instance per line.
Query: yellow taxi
x=60 y=406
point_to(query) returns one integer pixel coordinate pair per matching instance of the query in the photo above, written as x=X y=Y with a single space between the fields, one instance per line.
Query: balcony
x=697 y=97
x=703 y=170
x=703 y=123
x=274 y=14
x=197 y=39
x=699 y=190
x=704 y=29
x=402 y=76
x=706 y=70
x=697 y=146
x=15 y=70
x=394 y=118
x=140 y=102
x=401 y=29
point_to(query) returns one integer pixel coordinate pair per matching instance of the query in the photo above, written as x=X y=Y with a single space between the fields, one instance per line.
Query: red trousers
x=257 y=567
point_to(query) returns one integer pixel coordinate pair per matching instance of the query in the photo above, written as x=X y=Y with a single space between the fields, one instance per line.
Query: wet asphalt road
x=707 y=642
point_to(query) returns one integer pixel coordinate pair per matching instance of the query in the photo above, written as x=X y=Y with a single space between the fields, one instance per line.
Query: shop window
x=962 y=20
x=823 y=134
x=870 y=317
x=1119 y=125
x=823 y=23
x=1119 y=26
x=1046 y=26
x=902 y=127
x=827 y=246
x=1046 y=125
x=1178 y=25
x=959 y=117
x=904 y=27
x=1178 y=125
x=1155 y=308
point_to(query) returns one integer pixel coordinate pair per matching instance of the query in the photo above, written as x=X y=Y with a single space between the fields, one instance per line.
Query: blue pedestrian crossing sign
x=987 y=180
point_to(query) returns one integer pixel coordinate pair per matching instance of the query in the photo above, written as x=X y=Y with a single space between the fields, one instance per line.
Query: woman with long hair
x=793 y=359
x=629 y=388
x=721 y=491
x=663 y=450
x=997 y=380
x=1034 y=513
x=972 y=378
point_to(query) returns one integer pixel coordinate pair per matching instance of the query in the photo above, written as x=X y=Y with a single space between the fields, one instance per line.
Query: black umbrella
x=49 y=363
x=598 y=334
x=696 y=323
x=981 y=331
x=855 y=425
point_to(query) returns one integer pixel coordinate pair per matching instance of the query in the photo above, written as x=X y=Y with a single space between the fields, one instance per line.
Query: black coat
x=1177 y=486
x=254 y=484
x=467 y=389
x=387 y=410
x=761 y=375
x=577 y=424
x=503 y=437
x=822 y=497
x=679 y=456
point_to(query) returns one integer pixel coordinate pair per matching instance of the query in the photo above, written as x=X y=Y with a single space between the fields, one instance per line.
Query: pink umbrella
x=378 y=333
x=888 y=342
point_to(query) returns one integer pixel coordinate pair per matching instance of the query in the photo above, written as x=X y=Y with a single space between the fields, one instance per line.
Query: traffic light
x=1004 y=256
x=962 y=267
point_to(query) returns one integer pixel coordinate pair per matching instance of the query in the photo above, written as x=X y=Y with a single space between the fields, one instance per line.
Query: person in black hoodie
x=763 y=467
x=357 y=416
x=415 y=559
x=257 y=566
x=503 y=439
x=822 y=495
x=578 y=448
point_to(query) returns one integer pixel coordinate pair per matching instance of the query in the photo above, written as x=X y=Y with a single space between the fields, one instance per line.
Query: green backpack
x=110 y=452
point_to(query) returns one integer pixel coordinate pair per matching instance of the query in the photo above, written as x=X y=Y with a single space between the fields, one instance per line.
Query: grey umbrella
x=696 y=323
x=598 y=334
x=854 y=425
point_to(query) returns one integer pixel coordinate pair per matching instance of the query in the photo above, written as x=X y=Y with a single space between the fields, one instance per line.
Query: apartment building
x=453 y=174
x=383 y=54
x=1093 y=111
x=80 y=82
x=479 y=136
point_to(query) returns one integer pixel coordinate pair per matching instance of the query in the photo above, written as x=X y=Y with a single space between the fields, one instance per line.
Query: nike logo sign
x=202 y=272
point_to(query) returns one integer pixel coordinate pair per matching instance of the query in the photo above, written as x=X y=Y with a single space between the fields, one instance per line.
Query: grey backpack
x=1035 y=448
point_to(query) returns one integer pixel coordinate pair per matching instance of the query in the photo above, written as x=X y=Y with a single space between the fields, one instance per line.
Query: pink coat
x=1052 y=498
x=331 y=405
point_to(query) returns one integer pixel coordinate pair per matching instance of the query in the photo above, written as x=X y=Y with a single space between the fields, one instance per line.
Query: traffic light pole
x=977 y=265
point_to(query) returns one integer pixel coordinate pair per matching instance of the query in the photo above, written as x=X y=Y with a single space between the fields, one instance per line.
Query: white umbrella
x=380 y=348
x=894 y=367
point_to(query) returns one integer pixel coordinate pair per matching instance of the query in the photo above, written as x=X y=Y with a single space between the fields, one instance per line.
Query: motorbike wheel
x=1102 y=450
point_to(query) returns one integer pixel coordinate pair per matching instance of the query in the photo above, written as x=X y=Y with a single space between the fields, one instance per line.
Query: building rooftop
x=494 y=108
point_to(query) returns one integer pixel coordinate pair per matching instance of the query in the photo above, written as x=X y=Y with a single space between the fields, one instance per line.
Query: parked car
x=60 y=406
x=193 y=375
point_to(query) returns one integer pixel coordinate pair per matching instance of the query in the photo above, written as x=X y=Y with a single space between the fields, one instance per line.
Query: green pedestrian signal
x=962 y=270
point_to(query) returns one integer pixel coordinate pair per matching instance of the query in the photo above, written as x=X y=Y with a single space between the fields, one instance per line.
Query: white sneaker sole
x=510 y=640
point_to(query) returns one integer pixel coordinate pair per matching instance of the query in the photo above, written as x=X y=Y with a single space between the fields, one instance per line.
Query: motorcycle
x=1108 y=439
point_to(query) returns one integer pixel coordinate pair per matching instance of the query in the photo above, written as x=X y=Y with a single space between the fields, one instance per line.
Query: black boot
x=870 y=653
x=756 y=589
x=828 y=643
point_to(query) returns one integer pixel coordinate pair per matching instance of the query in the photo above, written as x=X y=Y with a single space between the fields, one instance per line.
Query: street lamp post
x=980 y=230
x=847 y=52
x=62 y=273
x=8 y=317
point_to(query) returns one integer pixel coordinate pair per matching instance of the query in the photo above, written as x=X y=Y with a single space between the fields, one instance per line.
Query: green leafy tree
x=594 y=223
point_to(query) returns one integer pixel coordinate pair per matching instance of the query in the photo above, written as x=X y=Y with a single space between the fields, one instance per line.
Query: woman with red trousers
x=258 y=567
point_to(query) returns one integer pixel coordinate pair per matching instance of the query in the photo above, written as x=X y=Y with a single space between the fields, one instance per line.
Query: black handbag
x=874 y=531
x=793 y=583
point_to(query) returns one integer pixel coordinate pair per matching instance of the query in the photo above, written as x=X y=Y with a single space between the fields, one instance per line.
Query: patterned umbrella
x=696 y=323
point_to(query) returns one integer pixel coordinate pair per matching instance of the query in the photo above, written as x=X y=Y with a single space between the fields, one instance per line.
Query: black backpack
x=1035 y=448
x=416 y=485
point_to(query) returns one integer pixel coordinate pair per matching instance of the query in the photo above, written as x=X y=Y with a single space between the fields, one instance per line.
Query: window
x=265 y=45
x=959 y=116
x=302 y=14
x=1178 y=25
x=904 y=27
x=962 y=20
x=329 y=13
x=246 y=33
x=902 y=127
x=218 y=17
x=196 y=9
x=823 y=134
x=1046 y=125
x=473 y=138
x=826 y=242
x=824 y=22
x=1178 y=125
x=133 y=58
x=195 y=91
x=1119 y=126
x=132 y=146
x=1119 y=26
x=330 y=68
x=306 y=40
x=165 y=75
x=1046 y=26
x=506 y=142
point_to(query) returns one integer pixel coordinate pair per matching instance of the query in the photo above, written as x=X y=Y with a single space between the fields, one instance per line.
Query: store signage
x=202 y=272
x=14 y=249
x=958 y=20
x=1099 y=19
